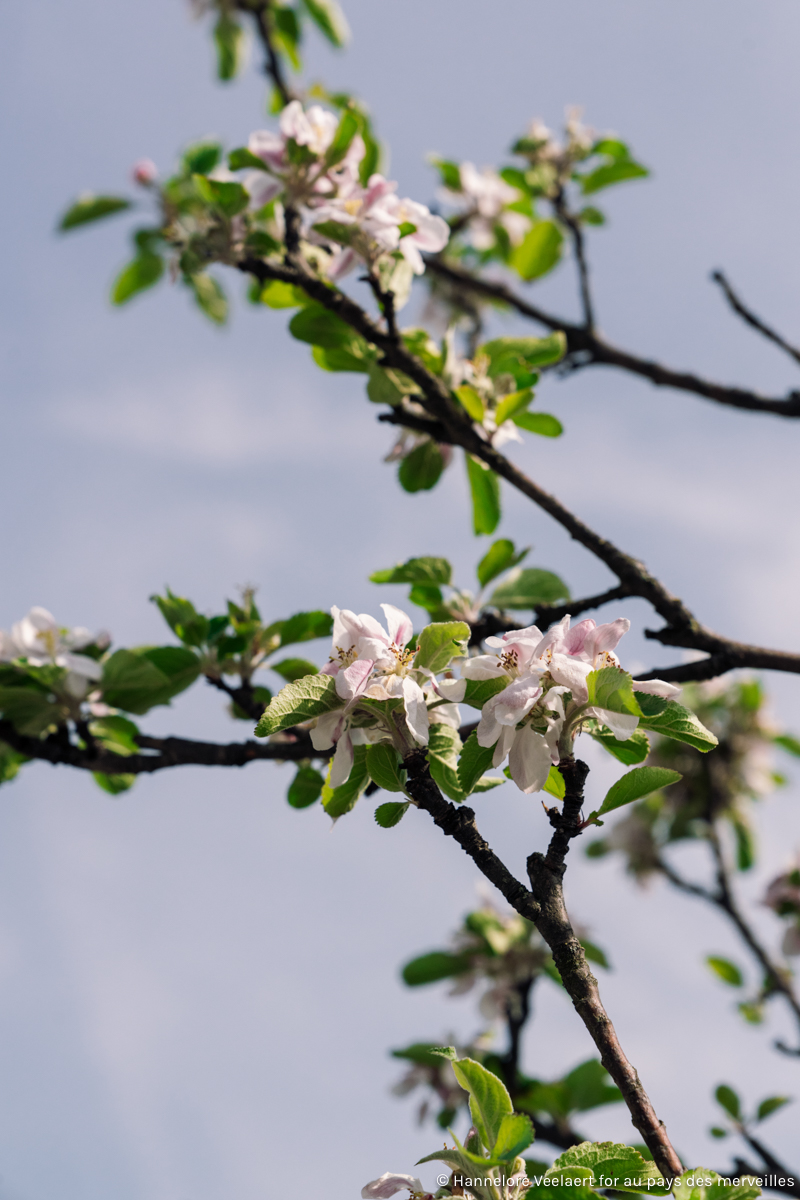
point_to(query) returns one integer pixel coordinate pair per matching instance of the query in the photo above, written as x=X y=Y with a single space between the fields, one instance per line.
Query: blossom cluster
x=372 y=220
x=485 y=201
x=39 y=642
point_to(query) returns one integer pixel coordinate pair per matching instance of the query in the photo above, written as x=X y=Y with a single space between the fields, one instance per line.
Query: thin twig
x=260 y=10
x=587 y=348
x=750 y=317
x=573 y=224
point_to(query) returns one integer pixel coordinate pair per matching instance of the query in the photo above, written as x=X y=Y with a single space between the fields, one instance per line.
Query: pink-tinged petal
x=529 y=634
x=327 y=729
x=571 y=673
x=412 y=255
x=515 y=702
x=606 y=637
x=482 y=666
x=352 y=682
x=331 y=668
x=377 y=189
x=81 y=665
x=554 y=637
x=791 y=941
x=416 y=711
x=342 y=763
x=489 y=728
x=388 y=1185
x=622 y=725
x=530 y=760
x=657 y=687
x=575 y=639
x=451 y=689
x=399 y=625
x=342 y=262
x=508 y=735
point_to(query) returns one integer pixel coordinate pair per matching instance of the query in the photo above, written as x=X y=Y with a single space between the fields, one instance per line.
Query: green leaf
x=472 y=763
x=228 y=196
x=544 y=424
x=745 y=843
x=348 y=127
x=618 y=172
x=485 y=490
x=725 y=970
x=241 y=158
x=386 y=387
x=340 y=800
x=10 y=763
x=92 y=208
x=305 y=627
x=415 y=570
x=229 y=40
x=489 y=1101
x=113 y=784
x=504 y=352
x=611 y=688
x=539 y=251
x=634 y=750
x=439 y=643
x=767 y=1107
x=428 y=597
x=319 y=327
x=612 y=148
x=421 y=470
x=183 y=618
x=487 y=783
x=471 y=402
x=210 y=297
x=702 y=1184
x=514 y=1135
x=329 y=19
x=29 y=709
x=306 y=788
x=117 y=734
x=589 y=1086
x=726 y=1098
x=591 y=215
x=717 y=1132
x=478 y=691
x=674 y=721
x=138 y=680
x=512 y=405
x=308 y=697
x=292 y=669
x=444 y=746
x=201 y=158
x=358 y=358
x=529 y=587
x=384 y=768
x=554 y=784
x=501 y=555
x=141 y=273
x=431 y=968
x=336 y=231
x=641 y=781
x=389 y=815
x=788 y=742
x=277 y=294
x=624 y=1164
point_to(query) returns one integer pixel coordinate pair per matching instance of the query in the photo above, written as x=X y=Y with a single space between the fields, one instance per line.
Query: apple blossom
x=487 y=197
x=40 y=642
x=144 y=172
x=389 y=1184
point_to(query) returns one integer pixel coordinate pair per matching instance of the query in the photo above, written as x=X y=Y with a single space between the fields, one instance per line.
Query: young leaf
x=539 y=250
x=228 y=39
x=674 y=721
x=229 y=197
x=415 y=570
x=512 y=405
x=505 y=352
x=383 y=386
x=421 y=470
x=430 y=968
x=544 y=424
x=315 y=325
x=725 y=970
x=138 y=680
x=308 y=697
x=639 y=782
x=789 y=743
x=242 y=158
x=292 y=669
x=514 y=1135
x=329 y=19
x=444 y=746
x=141 y=272
x=117 y=734
x=92 y=208
x=624 y=1164
x=277 y=294
x=471 y=401
x=306 y=788
x=305 y=627
x=634 y=750
x=389 y=815
x=210 y=297
x=472 y=763
x=384 y=769
x=728 y=1099
x=501 y=555
x=528 y=587
x=115 y=785
x=478 y=691
x=485 y=490
x=611 y=688
x=767 y=1107
x=702 y=1184
x=618 y=172
x=489 y=1101
x=201 y=158
x=554 y=784
x=340 y=800
x=439 y=643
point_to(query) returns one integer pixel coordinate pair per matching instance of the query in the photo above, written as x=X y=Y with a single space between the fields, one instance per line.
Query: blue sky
x=198 y=985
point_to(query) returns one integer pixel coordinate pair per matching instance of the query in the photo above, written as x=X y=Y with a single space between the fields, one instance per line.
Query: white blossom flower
x=487 y=197
x=389 y=1184
x=38 y=640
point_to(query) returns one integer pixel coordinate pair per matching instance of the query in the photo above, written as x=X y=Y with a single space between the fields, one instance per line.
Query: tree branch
x=750 y=317
x=576 y=231
x=588 y=348
x=260 y=11
x=544 y=906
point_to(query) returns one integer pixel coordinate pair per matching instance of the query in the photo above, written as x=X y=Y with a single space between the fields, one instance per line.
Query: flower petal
x=530 y=760
x=657 y=687
x=416 y=711
x=388 y=1184
x=342 y=763
x=622 y=725
x=399 y=625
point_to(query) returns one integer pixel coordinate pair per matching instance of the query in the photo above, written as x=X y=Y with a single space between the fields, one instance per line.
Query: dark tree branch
x=544 y=906
x=242 y=696
x=587 y=348
x=260 y=10
x=576 y=232
x=750 y=317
